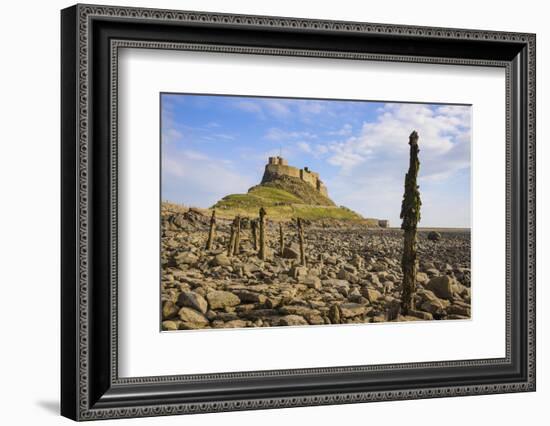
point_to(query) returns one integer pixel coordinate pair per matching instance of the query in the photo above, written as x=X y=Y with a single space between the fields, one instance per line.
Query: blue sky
x=217 y=145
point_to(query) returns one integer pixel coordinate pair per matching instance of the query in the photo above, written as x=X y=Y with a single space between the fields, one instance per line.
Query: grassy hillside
x=284 y=199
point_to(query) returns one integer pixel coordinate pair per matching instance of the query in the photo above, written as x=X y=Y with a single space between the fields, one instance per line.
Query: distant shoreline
x=442 y=229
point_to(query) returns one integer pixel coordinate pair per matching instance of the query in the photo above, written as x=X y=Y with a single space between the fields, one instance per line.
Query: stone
x=350 y=310
x=315 y=319
x=186 y=259
x=344 y=274
x=291 y=252
x=459 y=310
x=296 y=310
x=335 y=283
x=388 y=286
x=371 y=294
x=233 y=324
x=443 y=286
x=433 y=306
x=298 y=272
x=222 y=299
x=434 y=236
x=250 y=296
x=421 y=315
x=191 y=316
x=334 y=314
x=221 y=260
x=422 y=278
x=313 y=282
x=458 y=317
x=292 y=320
x=250 y=268
x=193 y=300
x=169 y=310
x=273 y=302
x=169 y=325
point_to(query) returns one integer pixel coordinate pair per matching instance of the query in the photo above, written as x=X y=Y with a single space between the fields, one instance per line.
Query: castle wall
x=275 y=169
x=278 y=166
x=309 y=177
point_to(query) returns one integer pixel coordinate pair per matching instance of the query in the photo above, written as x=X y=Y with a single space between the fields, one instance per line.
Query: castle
x=278 y=166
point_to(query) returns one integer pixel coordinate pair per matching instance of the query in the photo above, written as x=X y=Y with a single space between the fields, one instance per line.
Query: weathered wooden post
x=281 y=239
x=261 y=252
x=231 y=244
x=410 y=213
x=301 y=241
x=212 y=231
x=254 y=226
x=237 y=245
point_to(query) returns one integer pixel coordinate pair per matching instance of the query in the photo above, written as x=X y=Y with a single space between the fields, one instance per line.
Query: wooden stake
x=231 y=244
x=261 y=253
x=212 y=231
x=410 y=213
x=237 y=245
x=301 y=242
x=254 y=226
x=281 y=239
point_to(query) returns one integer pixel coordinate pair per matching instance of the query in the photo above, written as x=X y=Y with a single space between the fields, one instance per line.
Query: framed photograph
x=263 y=212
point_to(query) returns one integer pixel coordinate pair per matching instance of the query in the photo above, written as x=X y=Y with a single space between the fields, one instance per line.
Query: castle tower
x=277 y=166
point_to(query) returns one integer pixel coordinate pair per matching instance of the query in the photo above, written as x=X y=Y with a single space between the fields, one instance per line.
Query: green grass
x=280 y=205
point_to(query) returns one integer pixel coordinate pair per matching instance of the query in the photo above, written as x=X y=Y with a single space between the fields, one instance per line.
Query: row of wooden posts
x=410 y=213
x=258 y=231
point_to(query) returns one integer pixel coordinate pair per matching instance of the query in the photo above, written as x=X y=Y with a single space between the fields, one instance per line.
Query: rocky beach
x=352 y=273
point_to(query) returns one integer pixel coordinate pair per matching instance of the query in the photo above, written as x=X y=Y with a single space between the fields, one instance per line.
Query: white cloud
x=372 y=164
x=344 y=131
x=444 y=137
x=265 y=107
x=277 y=108
x=305 y=147
x=195 y=179
x=276 y=134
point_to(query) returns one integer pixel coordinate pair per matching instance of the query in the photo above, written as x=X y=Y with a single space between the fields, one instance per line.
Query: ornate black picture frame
x=91 y=37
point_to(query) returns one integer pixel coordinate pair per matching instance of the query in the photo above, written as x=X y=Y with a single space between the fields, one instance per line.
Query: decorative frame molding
x=91 y=37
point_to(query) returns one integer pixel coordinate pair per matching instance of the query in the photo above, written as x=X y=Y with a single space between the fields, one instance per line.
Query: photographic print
x=312 y=212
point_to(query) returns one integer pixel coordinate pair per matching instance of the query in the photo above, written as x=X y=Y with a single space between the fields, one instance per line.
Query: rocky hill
x=285 y=197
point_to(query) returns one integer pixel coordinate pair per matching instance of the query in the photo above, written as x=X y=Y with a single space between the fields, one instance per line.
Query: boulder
x=232 y=324
x=250 y=296
x=350 y=310
x=222 y=299
x=186 y=259
x=371 y=294
x=434 y=236
x=344 y=274
x=169 y=325
x=336 y=283
x=312 y=282
x=464 y=311
x=298 y=272
x=443 y=286
x=192 y=317
x=422 y=278
x=292 y=320
x=221 y=260
x=291 y=252
x=193 y=300
x=334 y=314
x=169 y=310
